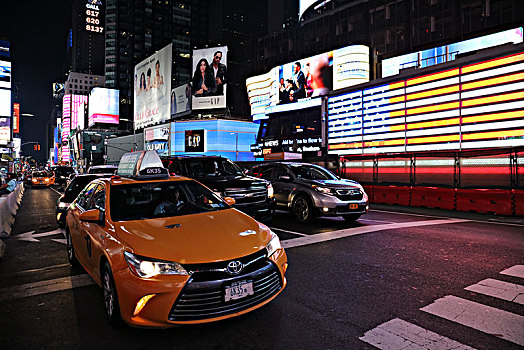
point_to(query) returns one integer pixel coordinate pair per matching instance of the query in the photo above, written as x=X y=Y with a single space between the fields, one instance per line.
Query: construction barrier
x=370 y=192
x=491 y=201
x=433 y=197
x=8 y=208
x=400 y=195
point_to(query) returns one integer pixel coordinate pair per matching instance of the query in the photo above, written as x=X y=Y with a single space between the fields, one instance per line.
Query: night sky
x=38 y=33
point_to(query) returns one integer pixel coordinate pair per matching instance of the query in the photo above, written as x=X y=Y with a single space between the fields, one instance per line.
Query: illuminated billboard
x=181 y=99
x=78 y=105
x=157 y=139
x=66 y=128
x=5 y=103
x=421 y=59
x=16 y=118
x=308 y=78
x=58 y=90
x=5 y=130
x=210 y=78
x=152 y=89
x=103 y=106
x=94 y=16
x=5 y=74
x=477 y=105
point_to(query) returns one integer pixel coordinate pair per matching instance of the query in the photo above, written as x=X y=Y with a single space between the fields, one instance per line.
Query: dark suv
x=62 y=173
x=310 y=190
x=252 y=196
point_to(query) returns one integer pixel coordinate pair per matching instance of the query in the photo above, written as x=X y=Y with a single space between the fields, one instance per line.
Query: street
x=397 y=278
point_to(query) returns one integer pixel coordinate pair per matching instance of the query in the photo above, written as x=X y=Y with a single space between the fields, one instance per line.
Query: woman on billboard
x=203 y=82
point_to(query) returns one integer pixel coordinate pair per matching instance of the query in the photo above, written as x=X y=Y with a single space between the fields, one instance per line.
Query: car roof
x=118 y=180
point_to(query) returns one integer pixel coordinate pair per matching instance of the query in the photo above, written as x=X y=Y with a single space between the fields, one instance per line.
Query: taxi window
x=84 y=197
x=161 y=199
x=97 y=200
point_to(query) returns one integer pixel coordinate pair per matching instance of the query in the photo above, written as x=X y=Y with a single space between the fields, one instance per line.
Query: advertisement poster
x=103 y=106
x=5 y=74
x=5 y=131
x=181 y=99
x=152 y=89
x=195 y=141
x=16 y=118
x=210 y=78
x=157 y=139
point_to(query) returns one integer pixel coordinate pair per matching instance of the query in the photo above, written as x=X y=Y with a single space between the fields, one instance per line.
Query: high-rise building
x=81 y=83
x=135 y=29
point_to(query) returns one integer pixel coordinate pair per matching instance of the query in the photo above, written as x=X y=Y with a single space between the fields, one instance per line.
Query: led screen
x=94 y=16
x=78 y=104
x=103 y=106
x=5 y=74
x=66 y=128
x=5 y=103
x=210 y=78
x=16 y=118
x=181 y=99
x=153 y=89
x=157 y=139
x=5 y=130
x=477 y=105
x=421 y=59
x=308 y=78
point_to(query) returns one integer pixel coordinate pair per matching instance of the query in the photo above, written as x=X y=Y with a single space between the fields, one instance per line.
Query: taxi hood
x=198 y=238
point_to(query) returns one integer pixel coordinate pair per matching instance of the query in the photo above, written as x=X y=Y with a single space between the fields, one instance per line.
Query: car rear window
x=161 y=199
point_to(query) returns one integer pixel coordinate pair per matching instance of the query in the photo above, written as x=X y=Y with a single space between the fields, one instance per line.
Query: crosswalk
x=399 y=334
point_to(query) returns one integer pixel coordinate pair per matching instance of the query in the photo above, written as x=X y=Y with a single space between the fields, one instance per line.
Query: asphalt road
x=396 y=278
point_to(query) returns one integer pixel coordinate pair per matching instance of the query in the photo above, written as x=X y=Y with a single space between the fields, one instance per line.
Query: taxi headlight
x=270 y=192
x=46 y=180
x=273 y=245
x=149 y=267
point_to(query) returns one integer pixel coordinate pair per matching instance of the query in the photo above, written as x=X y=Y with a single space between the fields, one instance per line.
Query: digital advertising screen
x=152 y=89
x=5 y=103
x=58 y=90
x=308 y=78
x=5 y=74
x=66 y=128
x=103 y=106
x=210 y=77
x=78 y=105
x=181 y=99
x=16 y=118
x=5 y=130
x=474 y=106
x=94 y=16
x=157 y=139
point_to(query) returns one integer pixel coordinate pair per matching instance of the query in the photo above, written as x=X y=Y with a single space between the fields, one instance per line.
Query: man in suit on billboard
x=219 y=72
x=300 y=82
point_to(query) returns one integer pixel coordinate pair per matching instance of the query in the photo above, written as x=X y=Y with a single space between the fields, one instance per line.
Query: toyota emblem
x=235 y=267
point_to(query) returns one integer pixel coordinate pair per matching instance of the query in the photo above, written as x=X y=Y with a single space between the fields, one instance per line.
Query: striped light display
x=479 y=105
x=66 y=128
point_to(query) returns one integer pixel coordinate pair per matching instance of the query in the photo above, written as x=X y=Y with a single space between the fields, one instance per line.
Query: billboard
x=473 y=106
x=103 y=106
x=5 y=130
x=157 y=139
x=58 y=90
x=78 y=105
x=181 y=99
x=94 y=16
x=153 y=88
x=308 y=78
x=5 y=103
x=5 y=74
x=210 y=78
x=421 y=59
x=16 y=118
x=66 y=128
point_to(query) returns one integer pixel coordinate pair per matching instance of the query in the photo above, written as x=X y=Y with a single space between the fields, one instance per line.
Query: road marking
x=44 y=287
x=30 y=236
x=487 y=319
x=499 y=289
x=328 y=236
x=515 y=271
x=292 y=232
x=60 y=193
x=442 y=217
x=383 y=222
x=399 y=334
x=60 y=240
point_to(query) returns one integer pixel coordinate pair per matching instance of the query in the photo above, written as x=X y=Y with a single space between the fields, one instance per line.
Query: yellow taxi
x=42 y=178
x=166 y=250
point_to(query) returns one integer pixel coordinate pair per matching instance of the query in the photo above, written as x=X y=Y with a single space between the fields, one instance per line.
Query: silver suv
x=310 y=190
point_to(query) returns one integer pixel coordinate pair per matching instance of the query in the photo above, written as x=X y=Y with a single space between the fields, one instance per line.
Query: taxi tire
x=302 y=209
x=70 y=249
x=351 y=217
x=111 y=306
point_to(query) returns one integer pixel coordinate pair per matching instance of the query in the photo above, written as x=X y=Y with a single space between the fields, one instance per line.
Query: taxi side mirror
x=229 y=200
x=92 y=215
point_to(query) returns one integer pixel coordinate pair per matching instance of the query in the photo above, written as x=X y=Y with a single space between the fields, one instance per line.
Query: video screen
x=103 y=106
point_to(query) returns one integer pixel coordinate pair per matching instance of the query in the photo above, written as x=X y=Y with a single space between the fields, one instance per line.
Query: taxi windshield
x=40 y=174
x=141 y=201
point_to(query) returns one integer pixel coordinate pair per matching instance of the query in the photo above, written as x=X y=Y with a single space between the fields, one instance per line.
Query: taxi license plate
x=239 y=290
x=353 y=206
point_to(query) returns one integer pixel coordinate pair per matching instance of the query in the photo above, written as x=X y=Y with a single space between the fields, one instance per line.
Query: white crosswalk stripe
x=399 y=334
x=515 y=271
x=499 y=289
x=487 y=319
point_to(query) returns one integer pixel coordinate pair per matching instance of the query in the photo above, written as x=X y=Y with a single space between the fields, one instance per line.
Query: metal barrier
x=9 y=206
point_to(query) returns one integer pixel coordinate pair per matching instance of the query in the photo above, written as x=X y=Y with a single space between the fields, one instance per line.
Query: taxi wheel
x=70 y=249
x=110 y=296
x=302 y=209
x=351 y=217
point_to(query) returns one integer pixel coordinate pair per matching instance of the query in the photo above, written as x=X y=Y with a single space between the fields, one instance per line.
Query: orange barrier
x=399 y=195
x=370 y=191
x=433 y=197
x=518 y=197
x=485 y=201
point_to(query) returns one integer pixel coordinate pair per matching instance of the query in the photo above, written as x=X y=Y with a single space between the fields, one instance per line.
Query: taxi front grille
x=205 y=299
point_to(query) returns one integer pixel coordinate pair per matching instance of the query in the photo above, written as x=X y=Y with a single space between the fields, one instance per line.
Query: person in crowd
x=300 y=82
x=158 y=80
x=219 y=72
x=203 y=82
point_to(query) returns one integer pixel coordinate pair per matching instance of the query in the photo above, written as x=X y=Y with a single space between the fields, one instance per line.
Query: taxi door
x=94 y=232
x=77 y=227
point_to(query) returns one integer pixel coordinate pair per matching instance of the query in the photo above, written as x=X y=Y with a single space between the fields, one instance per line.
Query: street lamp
x=236 y=145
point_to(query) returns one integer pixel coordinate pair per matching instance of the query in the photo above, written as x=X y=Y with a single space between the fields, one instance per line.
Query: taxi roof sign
x=142 y=165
